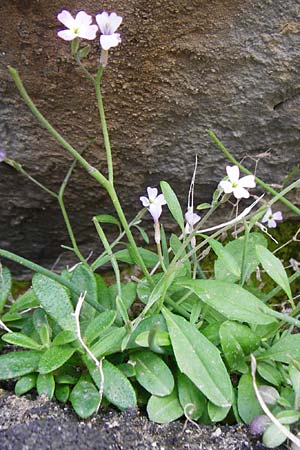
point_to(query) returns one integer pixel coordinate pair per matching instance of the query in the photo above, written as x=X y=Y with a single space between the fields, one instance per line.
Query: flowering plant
x=176 y=338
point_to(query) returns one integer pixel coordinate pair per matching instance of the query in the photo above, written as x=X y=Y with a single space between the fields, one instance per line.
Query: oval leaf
x=85 y=398
x=45 y=385
x=200 y=360
x=191 y=399
x=164 y=409
x=55 y=301
x=284 y=350
x=153 y=373
x=21 y=340
x=16 y=364
x=231 y=300
x=25 y=384
x=55 y=357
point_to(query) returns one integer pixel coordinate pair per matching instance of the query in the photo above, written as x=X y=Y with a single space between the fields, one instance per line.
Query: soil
x=28 y=423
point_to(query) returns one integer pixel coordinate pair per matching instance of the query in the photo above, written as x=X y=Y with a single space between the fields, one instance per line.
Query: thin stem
x=104 y=125
x=160 y=256
x=90 y=169
x=266 y=186
x=53 y=276
x=111 y=255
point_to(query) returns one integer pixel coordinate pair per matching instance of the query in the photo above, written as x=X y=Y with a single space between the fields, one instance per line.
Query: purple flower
x=108 y=24
x=272 y=218
x=258 y=425
x=153 y=203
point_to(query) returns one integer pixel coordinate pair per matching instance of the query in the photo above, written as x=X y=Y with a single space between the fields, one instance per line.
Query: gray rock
x=182 y=68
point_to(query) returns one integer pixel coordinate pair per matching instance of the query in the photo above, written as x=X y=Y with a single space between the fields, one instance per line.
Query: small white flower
x=191 y=220
x=236 y=185
x=79 y=27
x=153 y=203
x=108 y=24
x=272 y=218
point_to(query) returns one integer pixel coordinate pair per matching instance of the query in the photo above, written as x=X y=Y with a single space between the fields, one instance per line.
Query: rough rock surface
x=183 y=67
x=41 y=425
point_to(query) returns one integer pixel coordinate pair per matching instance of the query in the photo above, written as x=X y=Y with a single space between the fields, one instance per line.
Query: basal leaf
x=199 y=359
x=217 y=413
x=153 y=373
x=62 y=392
x=25 y=384
x=45 y=385
x=164 y=409
x=83 y=278
x=228 y=260
x=191 y=399
x=100 y=323
x=55 y=357
x=21 y=340
x=284 y=350
x=55 y=300
x=5 y=285
x=248 y=406
x=84 y=398
x=16 y=364
x=231 y=300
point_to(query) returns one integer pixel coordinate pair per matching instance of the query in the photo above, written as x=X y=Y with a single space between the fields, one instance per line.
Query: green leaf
x=55 y=357
x=248 y=406
x=231 y=300
x=228 y=260
x=45 y=385
x=16 y=364
x=164 y=409
x=5 y=285
x=62 y=392
x=175 y=244
x=203 y=206
x=191 y=399
x=150 y=258
x=107 y=218
x=55 y=301
x=146 y=325
x=173 y=203
x=153 y=373
x=273 y=437
x=84 y=398
x=237 y=341
x=284 y=350
x=109 y=343
x=21 y=340
x=25 y=301
x=100 y=323
x=103 y=292
x=236 y=249
x=199 y=359
x=83 y=278
x=64 y=337
x=274 y=268
x=161 y=339
x=41 y=326
x=25 y=384
x=117 y=388
x=84 y=51
x=294 y=374
x=217 y=413
x=269 y=372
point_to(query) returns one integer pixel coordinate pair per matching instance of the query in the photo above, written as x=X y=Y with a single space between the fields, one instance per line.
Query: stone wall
x=183 y=67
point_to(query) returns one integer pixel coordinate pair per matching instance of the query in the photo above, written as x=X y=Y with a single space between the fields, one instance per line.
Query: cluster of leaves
x=190 y=357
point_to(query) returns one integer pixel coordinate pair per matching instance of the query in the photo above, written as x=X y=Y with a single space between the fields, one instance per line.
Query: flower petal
x=240 y=192
x=66 y=18
x=88 y=32
x=145 y=201
x=102 y=20
x=160 y=200
x=155 y=211
x=267 y=215
x=67 y=35
x=278 y=215
x=272 y=223
x=192 y=218
x=152 y=193
x=247 y=181
x=115 y=22
x=226 y=186
x=83 y=19
x=233 y=173
x=109 y=40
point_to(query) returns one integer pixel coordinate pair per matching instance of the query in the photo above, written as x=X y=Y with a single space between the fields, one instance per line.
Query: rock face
x=183 y=67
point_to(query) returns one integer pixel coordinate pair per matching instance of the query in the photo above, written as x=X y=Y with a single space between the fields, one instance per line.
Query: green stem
x=110 y=253
x=90 y=169
x=267 y=187
x=278 y=289
x=104 y=125
x=36 y=268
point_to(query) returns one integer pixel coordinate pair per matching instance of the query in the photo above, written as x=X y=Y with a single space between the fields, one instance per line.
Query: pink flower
x=191 y=220
x=79 y=27
x=108 y=24
x=236 y=185
x=153 y=203
x=272 y=218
